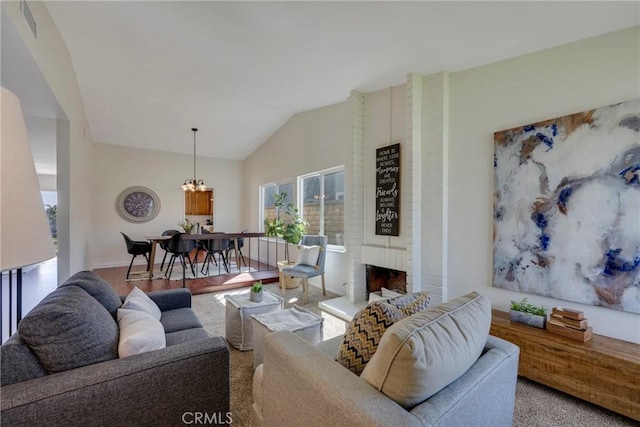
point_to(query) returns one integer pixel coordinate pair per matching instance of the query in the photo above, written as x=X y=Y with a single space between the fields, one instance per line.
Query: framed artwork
x=567 y=207
x=388 y=190
x=138 y=204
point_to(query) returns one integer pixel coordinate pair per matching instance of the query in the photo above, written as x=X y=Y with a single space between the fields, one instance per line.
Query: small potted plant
x=256 y=292
x=524 y=312
x=187 y=226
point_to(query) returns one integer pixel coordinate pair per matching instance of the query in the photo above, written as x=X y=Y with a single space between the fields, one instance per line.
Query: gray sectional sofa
x=444 y=354
x=62 y=368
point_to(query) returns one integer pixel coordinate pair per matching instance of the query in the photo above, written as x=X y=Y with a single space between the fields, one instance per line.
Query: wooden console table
x=603 y=371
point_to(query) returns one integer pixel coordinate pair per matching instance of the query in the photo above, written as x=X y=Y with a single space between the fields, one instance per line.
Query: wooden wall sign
x=388 y=190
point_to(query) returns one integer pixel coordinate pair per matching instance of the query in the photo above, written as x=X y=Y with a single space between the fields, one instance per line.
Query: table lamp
x=25 y=236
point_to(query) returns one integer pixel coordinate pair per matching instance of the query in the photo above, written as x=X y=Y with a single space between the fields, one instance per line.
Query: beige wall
x=309 y=141
x=74 y=185
x=116 y=168
x=47 y=182
x=568 y=79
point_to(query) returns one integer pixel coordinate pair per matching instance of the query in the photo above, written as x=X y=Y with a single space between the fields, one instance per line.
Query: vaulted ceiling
x=149 y=71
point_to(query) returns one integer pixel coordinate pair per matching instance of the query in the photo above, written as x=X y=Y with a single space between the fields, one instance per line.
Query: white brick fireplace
x=416 y=115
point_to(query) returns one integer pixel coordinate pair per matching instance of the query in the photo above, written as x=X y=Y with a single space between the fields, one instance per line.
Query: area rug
x=214 y=270
x=536 y=405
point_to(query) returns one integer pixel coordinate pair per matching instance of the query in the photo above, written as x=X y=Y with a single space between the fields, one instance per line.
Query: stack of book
x=569 y=323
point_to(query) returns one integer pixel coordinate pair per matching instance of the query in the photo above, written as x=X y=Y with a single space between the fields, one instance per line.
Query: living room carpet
x=536 y=405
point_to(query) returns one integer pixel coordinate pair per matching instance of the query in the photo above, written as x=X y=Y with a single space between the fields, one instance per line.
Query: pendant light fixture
x=194 y=184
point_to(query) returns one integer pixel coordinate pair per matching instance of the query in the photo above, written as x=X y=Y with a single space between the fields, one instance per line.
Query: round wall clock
x=138 y=204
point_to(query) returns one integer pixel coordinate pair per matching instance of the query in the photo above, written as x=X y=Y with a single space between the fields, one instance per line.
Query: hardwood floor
x=117 y=278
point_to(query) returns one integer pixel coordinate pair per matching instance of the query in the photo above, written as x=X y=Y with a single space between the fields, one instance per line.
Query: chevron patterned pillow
x=411 y=303
x=364 y=332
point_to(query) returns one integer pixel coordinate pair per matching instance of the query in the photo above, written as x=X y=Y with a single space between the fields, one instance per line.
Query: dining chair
x=136 y=248
x=213 y=247
x=163 y=246
x=305 y=271
x=179 y=248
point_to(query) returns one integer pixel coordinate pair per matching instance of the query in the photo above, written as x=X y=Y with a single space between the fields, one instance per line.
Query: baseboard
x=117 y=264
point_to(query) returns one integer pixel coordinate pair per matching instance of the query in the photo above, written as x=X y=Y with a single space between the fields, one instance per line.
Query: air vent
x=28 y=17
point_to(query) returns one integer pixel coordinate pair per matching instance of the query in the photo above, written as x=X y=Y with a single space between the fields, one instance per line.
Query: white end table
x=238 y=311
x=302 y=322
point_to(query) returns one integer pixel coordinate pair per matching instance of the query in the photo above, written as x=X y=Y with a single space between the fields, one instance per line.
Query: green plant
x=256 y=287
x=186 y=225
x=288 y=224
x=526 y=307
x=52 y=217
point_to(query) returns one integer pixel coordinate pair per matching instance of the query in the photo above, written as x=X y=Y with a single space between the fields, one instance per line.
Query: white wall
x=568 y=79
x=309 y=141
x=47 y=182
x=384 y=123
x=116 y=168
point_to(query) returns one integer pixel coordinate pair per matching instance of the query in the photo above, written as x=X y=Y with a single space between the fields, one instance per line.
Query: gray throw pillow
x=423 y=353
x=98 y=288
x=69 y=329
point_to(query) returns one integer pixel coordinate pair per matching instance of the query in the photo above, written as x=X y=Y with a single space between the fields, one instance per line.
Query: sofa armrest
x=303 y=386
x=171 y=299
x=155 y=388
x=483 y=395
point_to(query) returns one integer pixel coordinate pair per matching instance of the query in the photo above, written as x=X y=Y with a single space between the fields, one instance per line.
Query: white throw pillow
x=383 y=294
x=387 y=293
x=308 y=255
x=139 y=333
x=138 y=300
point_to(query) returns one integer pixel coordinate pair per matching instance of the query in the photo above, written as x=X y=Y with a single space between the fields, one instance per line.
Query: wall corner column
x=355 y=199
x=434 y=176
x=413 y=223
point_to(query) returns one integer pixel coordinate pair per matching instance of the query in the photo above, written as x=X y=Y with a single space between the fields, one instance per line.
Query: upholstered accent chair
x=305 y=269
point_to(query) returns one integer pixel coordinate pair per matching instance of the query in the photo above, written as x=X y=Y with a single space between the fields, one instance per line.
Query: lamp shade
x=25 y=237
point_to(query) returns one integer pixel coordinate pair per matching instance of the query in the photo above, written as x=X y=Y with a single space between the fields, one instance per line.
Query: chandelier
x=193 y=184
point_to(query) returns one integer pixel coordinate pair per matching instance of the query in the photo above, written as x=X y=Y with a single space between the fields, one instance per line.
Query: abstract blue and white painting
x=567 y=207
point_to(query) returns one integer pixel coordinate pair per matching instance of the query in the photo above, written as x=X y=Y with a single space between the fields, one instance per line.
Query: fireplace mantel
x=393 y=258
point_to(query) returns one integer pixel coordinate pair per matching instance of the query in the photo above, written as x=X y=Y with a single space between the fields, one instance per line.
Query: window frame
x=300 y=199
x=261 y=189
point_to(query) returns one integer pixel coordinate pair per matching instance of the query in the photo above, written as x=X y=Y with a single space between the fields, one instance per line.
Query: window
x=322 y=201
x=268 y=209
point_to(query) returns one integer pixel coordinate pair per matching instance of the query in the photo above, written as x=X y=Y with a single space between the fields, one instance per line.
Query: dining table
x=154 y=240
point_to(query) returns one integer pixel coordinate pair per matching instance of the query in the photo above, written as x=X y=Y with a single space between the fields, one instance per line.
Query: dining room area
x=198 y=251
